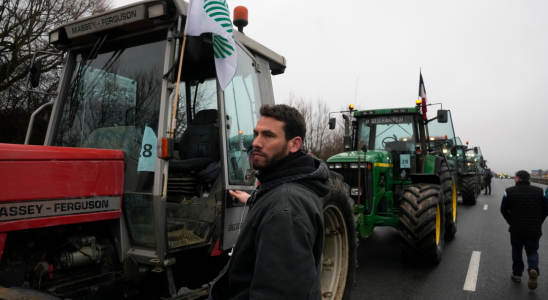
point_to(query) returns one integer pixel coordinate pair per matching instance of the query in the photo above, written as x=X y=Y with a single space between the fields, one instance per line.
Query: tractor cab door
x=442 y=140
x=239 y=107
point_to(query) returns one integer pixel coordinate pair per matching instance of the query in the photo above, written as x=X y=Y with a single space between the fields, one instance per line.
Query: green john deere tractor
x=466 y=171
x=395 y=164
x=475 y=155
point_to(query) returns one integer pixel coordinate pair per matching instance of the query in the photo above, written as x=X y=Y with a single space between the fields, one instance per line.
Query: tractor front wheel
x=422 y=222
x=340 y=247
x=468 y=190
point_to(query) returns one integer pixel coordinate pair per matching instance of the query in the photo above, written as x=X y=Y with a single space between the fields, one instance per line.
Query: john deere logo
x=218 y=10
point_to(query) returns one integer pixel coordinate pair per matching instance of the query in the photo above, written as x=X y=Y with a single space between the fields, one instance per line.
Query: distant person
x=278 y=254
x=487 y=179
x=525 y=207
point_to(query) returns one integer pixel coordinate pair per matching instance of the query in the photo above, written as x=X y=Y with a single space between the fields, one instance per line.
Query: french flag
x=422 y=96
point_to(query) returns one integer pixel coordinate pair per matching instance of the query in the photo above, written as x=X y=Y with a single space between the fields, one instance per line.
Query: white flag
x=213 y=16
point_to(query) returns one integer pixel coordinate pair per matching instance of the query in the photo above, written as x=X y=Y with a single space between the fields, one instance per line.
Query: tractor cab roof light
x=418 y=102
x=157 y=10
x=240 y=18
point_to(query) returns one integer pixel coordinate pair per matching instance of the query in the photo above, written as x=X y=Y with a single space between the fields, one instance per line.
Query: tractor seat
x=199 y=144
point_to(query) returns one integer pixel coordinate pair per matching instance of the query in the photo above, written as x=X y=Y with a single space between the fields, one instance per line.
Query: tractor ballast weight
x=399 y=176
x=127 y=198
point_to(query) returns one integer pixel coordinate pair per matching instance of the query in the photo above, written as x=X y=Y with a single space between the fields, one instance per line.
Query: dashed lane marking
x=485 y=207
x=472 y=276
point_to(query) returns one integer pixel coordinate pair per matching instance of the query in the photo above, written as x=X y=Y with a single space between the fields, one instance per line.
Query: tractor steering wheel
x=388 y=137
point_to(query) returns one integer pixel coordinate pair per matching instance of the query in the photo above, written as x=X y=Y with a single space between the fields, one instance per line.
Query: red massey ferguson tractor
x=123 y=200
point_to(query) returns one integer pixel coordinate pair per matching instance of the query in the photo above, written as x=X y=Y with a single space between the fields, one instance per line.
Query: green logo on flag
x=218 y=10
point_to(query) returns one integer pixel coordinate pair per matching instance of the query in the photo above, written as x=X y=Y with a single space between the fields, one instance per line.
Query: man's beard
x=269 y=161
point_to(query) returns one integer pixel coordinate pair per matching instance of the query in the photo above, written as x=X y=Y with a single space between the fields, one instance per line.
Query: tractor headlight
x=353 y=165
x=157 y=10
x=354 y=192
x=331 y=166
x=338 y=166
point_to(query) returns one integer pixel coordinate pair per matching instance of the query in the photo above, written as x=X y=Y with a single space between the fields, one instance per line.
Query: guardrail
x=539 y=180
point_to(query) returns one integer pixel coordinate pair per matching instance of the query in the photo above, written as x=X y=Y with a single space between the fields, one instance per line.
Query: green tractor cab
x=398 y=173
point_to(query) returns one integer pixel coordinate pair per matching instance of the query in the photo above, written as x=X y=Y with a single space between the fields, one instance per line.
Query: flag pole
x=174 y=119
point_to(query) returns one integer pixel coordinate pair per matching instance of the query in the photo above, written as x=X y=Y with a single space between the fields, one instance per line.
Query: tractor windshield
x=387 y=132
x=110 y=98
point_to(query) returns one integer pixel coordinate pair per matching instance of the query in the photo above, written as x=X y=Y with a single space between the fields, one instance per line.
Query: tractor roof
x=386 y=111
x=134 y=17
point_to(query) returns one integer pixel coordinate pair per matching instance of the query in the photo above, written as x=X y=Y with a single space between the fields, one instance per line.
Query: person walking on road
x=278 y=254
x=487 y=179
x=525 y=208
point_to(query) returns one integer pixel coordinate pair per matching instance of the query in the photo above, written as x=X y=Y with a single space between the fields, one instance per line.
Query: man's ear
x=295 y=144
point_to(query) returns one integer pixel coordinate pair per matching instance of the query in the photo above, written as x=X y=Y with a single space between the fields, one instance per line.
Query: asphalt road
x=384 y=274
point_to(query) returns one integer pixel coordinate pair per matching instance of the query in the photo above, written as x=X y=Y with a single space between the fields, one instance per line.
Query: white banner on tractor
x=213 y=16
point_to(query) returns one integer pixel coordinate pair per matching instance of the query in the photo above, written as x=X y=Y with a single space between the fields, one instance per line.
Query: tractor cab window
x=111 y=102
x=242 y=104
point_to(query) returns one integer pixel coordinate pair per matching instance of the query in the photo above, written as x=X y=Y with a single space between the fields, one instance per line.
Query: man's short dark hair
x=294 y=123
x=523 y=175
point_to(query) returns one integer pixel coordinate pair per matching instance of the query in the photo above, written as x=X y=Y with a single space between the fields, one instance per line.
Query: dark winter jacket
x=524 y=207
x=487 y=177
x=278 y=254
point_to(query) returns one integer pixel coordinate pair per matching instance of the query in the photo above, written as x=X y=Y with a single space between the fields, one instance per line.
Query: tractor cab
x=118 y=92
x=184 y=141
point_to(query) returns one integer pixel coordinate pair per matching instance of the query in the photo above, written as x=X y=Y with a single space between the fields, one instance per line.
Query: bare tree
x=24 y=29
x=319 y=140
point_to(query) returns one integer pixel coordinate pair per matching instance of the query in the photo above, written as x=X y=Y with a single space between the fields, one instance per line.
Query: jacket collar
x=523 y=183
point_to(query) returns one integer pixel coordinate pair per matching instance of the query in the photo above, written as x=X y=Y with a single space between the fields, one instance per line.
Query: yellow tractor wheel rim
x=454 y=202
x=438 y=226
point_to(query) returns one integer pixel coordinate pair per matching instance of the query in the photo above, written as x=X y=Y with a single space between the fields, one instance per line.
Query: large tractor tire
x=422 y=222
x=339 y=252
x=468 y=190
x=449 y=190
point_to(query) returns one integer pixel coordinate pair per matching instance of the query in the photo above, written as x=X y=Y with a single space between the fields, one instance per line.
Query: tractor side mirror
x=443 y=116
x=35 y=71
x=332 y=123
x=454 y=151
x=475 y=150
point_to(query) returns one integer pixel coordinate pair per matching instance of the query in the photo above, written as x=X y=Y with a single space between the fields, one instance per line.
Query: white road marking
x=485 y=207
x=472 y=276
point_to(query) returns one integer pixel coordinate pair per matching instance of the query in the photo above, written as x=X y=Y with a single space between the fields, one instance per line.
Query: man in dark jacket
x=524 y=207
x=487 y=179
x=279 y=249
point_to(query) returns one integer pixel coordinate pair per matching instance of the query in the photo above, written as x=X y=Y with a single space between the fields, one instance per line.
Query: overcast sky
x=486 y=61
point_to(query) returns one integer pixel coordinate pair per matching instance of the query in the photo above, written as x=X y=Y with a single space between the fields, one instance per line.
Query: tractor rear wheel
x=468 y=190
x=422 y=222
x=339 y=252
x=449 y=192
